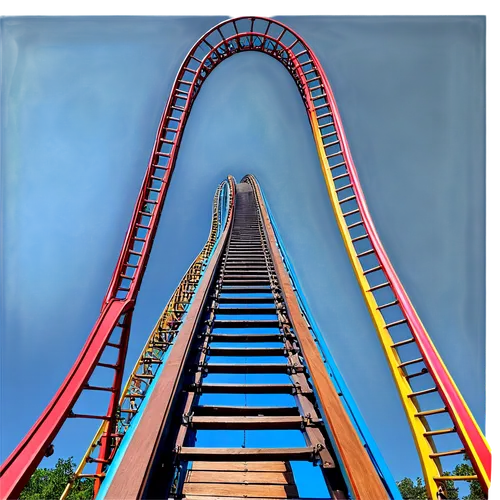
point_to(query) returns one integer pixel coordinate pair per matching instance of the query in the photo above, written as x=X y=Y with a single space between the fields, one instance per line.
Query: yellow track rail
x=340 y=180
x=418 y=425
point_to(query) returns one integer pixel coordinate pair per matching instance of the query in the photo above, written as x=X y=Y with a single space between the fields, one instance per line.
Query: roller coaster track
x=396 y=321
x=244 y=301
x=156 y=349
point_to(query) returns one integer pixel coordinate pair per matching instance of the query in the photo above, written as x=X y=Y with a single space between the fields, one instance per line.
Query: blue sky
x=81 y=101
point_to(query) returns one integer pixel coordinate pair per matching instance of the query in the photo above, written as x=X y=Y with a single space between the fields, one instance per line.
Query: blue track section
x=338 y=381
x=223 y=211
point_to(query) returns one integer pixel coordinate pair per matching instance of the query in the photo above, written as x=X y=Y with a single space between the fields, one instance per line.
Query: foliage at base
x=416 y=490
x=48 y=484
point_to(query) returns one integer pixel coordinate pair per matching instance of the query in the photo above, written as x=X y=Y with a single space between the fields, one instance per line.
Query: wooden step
x=226 y=289
x=250 y=276
x=245 y=282
x=246 y=300
x=244 y=388
x=245 y=266
x=246 y=337
x=212 y=410
x=251 y=368
x=241 y=491
x=245 y=310
x=246 y=351
x=306 y=453
x=239 y=480
x=248 y=423
x=241 y=466
x=246 y=323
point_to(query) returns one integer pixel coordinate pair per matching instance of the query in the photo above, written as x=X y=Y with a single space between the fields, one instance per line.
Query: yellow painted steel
x=173 y=312
x=431 y=468
x=482 y=470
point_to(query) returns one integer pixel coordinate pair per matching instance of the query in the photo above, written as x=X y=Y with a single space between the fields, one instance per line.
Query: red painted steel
x=107 y=439
x=18 y=468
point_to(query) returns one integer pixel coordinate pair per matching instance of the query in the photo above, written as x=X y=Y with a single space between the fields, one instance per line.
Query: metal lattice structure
x=411 y=355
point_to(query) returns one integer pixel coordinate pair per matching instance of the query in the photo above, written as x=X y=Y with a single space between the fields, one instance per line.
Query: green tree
x=465 y=469
x=416 y=491
x=451 y=489
x=48 y=484
x=412 y=491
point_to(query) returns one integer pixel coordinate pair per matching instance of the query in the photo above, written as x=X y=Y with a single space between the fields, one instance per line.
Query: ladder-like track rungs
x=447 y=453
x=246 y=351
x=263 y=411
x=246 y=300
x=244 y=388
x=251 y=368
x=246 y=289
x=410 y=362
x=439 y=432
x=256 y=260
x=249 y=422
x=246 y=337
x=455 y=478
x=246 y=262
x=189 y=496
x=238 y=275
x=246 y=253
x=253 y=248
x=246 y=266
x=246 y=282
x=431 y=412
x=403 y=342
x=421 y=393
x=246 y=323
x=245 y=248
x=246 y=454
x=243 y=273
x=245 y=310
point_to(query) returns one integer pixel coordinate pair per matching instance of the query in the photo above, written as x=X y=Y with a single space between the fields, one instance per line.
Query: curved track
x=371 y=265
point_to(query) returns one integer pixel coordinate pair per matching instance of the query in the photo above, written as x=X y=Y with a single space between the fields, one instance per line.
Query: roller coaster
x=236 y=348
